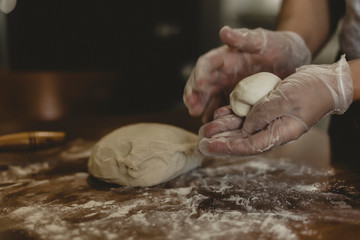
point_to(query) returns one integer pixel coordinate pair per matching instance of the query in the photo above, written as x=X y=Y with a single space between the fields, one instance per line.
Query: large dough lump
x=144 y=154
x=250 y=90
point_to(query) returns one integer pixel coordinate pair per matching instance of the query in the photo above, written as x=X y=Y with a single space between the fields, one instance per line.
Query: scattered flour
x=308 y=188
x=257 y=199
x=22 y=171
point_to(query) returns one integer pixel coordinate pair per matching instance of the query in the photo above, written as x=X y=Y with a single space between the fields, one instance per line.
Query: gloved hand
x=296 y=104
x=246 y=52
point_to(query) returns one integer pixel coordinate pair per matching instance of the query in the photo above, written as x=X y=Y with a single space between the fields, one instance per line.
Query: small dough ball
x=250 y=90
x=144 y=154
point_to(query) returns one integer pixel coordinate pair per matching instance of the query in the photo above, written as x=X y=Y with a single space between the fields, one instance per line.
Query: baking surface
x=291 y=193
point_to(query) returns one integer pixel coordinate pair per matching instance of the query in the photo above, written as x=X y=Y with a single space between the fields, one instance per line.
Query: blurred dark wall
x=146 y=43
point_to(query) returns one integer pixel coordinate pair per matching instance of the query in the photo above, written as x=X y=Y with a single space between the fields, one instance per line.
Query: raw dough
x=144 y=154
x=250 y=90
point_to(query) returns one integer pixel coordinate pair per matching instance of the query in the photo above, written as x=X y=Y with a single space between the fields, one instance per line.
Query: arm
x=355 y=75
x=308 y=18
x=311 y=20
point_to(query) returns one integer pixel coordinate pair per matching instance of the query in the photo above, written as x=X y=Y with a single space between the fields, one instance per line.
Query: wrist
x=355 y=75
x=342 y=88
x=337 y=79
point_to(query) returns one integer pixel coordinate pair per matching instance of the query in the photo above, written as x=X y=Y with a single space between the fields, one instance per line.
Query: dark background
x=146 y=47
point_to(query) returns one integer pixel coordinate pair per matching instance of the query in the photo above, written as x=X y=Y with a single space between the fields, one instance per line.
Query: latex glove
x=296 y=104
x=247 y=52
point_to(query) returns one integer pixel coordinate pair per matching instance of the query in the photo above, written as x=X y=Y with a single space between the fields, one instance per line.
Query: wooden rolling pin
x=31 y=140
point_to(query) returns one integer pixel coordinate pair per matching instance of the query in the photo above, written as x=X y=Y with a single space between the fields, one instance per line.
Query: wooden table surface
x=293 y=192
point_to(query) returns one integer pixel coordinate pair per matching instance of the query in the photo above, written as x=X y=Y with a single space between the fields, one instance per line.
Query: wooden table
x=292 y=192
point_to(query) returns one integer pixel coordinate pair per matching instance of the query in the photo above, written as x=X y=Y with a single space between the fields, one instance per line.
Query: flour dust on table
x=255 y=198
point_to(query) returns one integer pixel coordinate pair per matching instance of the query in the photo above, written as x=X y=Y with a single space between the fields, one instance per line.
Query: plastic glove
x=296 y=104
x=247 y=52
